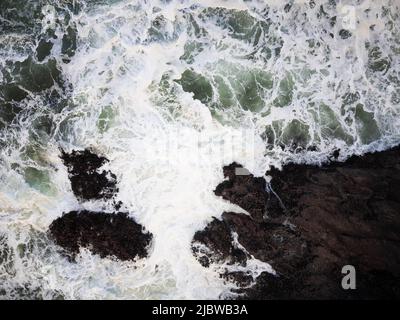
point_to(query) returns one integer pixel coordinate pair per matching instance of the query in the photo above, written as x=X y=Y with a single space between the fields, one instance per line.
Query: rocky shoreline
x=312 y=222
x=307 y=223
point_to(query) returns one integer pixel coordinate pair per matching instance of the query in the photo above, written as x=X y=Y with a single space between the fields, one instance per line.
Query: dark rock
x=106 y=234
x=244 y=190
x=336 y=153
x=86 y=179
x=318 y=220
x=218 y=237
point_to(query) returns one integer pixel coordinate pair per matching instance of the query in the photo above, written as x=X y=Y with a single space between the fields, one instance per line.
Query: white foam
x=168 y=156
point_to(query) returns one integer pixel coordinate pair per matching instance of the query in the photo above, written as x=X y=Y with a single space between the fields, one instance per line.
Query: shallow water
x=171 y=91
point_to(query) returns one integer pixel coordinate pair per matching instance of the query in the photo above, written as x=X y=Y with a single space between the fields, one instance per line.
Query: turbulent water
x=170 y=92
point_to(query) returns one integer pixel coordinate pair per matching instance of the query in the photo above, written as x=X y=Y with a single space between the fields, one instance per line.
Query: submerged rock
x=317 y=220
x=87 y=181
x=105 y=234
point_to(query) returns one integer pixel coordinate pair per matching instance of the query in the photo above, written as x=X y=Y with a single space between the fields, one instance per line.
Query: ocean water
x=170 y=91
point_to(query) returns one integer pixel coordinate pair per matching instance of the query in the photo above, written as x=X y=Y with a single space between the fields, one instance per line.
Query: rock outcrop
x=309 y=223
x=88 y=181
x=105 y=234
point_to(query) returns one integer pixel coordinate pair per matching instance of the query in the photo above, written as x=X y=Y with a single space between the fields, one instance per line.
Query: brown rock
x=343 y=213
x=87 y=181
x=106 y=234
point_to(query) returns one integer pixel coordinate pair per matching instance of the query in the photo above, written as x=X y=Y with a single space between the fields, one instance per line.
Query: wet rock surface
x=244 y=190
x=88 y=181
x=316 y=220
x=106 y=234
x=103 y=233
